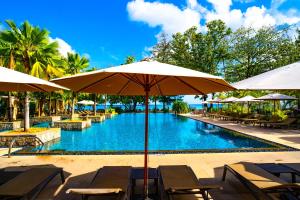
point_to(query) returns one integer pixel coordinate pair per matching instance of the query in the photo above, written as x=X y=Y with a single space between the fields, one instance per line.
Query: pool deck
x=80 y=169
x=207 y=166
x=287 y=137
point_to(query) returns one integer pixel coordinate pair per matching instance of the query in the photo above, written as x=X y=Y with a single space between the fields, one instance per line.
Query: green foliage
x=180 y=107
x=76 y=64
x=110 y=110
x=279 y=115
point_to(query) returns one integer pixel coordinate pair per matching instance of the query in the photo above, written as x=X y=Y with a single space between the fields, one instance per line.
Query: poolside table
x=138 y=174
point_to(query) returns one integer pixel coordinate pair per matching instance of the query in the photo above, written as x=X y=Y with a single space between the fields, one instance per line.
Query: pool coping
x=277 y=147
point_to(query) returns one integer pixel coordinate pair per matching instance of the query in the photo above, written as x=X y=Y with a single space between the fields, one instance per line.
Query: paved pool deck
x=207 y=166
x=287 y=137
x=80 y=169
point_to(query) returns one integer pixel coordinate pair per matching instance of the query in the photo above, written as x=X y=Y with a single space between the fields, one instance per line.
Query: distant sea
x=142 y=107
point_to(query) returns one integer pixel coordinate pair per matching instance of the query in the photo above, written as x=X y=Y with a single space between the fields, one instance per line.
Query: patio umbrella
x=86 y=102
x=283 y=78
x=145 y=78
x=11 y=80
x=216 y=100
x=276 y=97
x=229 y=100
x=247 y=99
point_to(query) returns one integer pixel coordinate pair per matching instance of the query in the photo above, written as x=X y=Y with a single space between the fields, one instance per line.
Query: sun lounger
x=110 y=182
x=286 y=123
x=28 y=184
x=257 y=179
x=180 y=181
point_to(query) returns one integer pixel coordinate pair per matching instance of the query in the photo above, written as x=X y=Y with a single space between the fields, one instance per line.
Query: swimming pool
x=167 y=132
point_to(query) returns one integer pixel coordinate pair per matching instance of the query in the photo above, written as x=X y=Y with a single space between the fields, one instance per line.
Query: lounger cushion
x=27 y=181
x=113 y=177
x=257 y=176
x=178 y=176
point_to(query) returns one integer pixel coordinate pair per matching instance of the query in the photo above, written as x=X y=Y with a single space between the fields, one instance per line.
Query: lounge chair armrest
x=94 y=191
x=200 y=187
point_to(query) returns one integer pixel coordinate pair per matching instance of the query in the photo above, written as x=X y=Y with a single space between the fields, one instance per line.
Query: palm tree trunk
x=95 y=104
x=26 y=112
x=10 y=107
x=50 y=104
x=55 y=105
x=155 y=104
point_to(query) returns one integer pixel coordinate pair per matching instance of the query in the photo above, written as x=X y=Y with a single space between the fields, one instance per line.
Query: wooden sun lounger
x=257 y=179
x=286 y=123
x=180 y=180
x=28 y=184
x=113 y=182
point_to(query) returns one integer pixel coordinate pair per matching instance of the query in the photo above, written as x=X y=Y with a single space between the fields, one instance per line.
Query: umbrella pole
x=146 y=139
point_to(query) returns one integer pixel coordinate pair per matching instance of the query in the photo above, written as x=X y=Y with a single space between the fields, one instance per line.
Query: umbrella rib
x=133 y=79
x=123 y=87
x=159 y=81
x=157 y=85
x=96 y=82
x=189 y=85
x=36 y=87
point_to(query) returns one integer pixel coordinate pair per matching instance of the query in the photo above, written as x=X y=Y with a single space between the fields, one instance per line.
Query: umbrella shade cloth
x=276 y=96
x=145 y=78
x=11 y=80
x=164 y=79
x=229 y=100
x=247 y=99
x=86 y=102
x=283 y=78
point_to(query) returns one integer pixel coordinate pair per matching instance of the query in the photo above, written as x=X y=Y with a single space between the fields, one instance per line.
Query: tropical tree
x=33 y=50
x=76 y=64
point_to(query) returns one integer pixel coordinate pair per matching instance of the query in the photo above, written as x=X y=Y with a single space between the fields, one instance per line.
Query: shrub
x=279 y=115
x=180 y=107
x=110 y=110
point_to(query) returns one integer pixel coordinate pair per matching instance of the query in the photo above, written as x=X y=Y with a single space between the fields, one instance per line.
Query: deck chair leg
x=224 y=173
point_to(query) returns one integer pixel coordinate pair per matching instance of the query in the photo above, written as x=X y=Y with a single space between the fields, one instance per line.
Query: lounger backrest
x=257 y=176
x=178 y=176
x=27 y=181
x=112 y=177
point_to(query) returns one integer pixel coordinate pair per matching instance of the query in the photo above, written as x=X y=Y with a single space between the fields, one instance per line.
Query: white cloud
x=64 y=47
x=165 y=15
x=258 y=17
x=173 y=19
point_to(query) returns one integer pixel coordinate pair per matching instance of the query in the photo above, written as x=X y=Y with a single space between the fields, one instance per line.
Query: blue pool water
x=166 y=132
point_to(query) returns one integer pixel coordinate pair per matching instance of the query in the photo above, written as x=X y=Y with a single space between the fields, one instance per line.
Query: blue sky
x=107 y=31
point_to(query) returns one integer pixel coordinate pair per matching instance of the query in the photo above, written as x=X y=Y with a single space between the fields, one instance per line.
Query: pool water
x=125 y=132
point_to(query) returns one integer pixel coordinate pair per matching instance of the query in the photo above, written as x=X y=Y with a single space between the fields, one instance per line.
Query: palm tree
x=75 y=64
x=34 y=51
x=8 y=48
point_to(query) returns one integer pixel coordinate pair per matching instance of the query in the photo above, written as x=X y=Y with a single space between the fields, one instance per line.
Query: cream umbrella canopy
x=145 y=78
x=86 y=102
x=283 y=78
x=11 y=80
x=247 y=99
x=276 y=97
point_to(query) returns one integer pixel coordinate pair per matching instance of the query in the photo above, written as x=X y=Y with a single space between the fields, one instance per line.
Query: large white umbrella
x=11 y=80
x=145 y=78
x=283 y=78
x=276 y=97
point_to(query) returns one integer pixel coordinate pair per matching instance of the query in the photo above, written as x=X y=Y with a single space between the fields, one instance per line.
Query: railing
x=38 y=140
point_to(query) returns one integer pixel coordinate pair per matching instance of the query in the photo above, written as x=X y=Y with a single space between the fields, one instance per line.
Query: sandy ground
x=79 y=170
